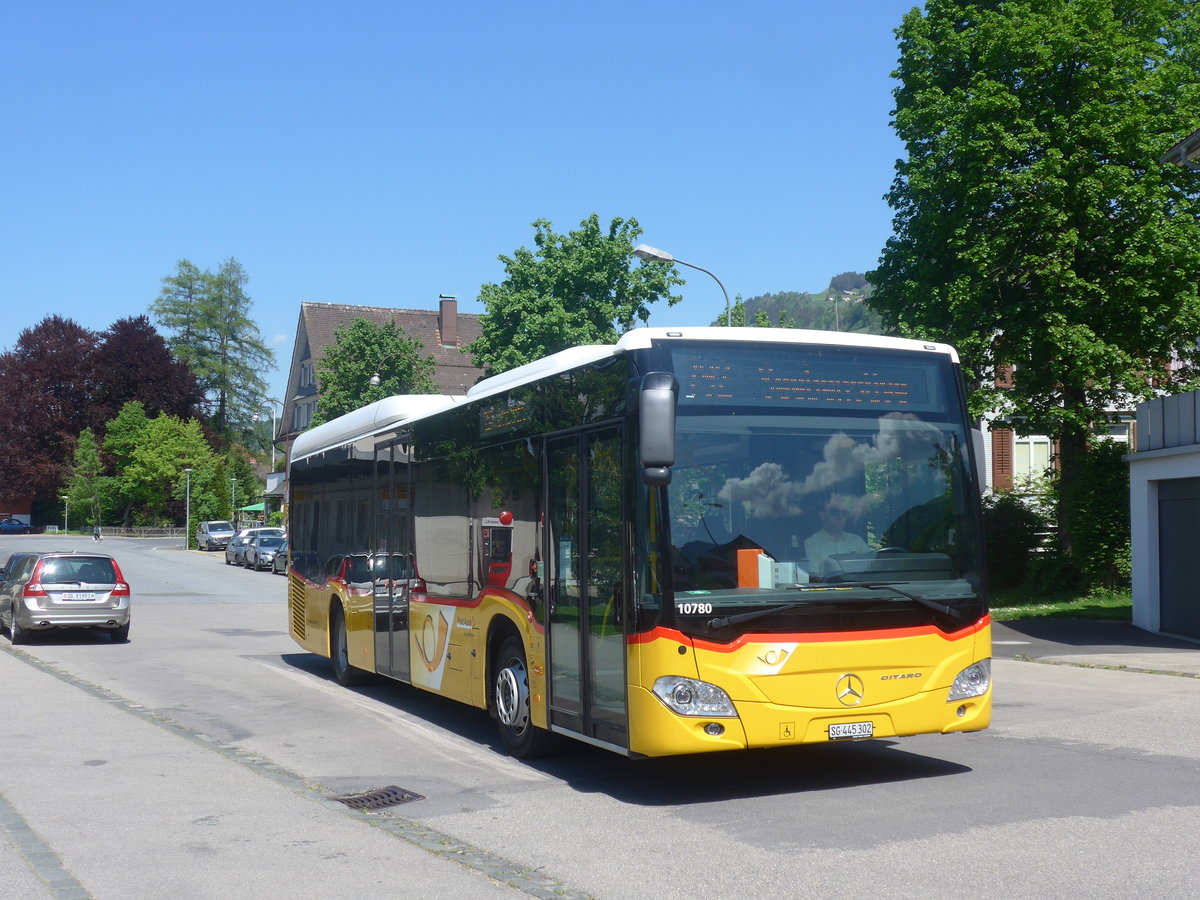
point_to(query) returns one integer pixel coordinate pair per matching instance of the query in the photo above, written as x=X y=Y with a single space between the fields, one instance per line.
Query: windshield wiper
x=740 y=618
x=916 y=598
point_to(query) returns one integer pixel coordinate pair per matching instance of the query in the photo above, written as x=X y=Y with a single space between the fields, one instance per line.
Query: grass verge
x=1097 y=603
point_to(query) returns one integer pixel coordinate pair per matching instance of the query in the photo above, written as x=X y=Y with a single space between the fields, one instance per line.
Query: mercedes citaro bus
x=690 y=540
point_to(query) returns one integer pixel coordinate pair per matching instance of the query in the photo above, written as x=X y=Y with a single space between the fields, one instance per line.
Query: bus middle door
x=586 y=641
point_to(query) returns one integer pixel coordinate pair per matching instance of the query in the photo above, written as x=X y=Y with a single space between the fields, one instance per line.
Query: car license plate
x=842 y=731
x=79 y=595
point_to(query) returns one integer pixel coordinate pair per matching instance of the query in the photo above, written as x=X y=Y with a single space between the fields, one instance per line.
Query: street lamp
x=837 y=316
x=375 y=379
x=233 y=496
x=187 y=512
x=270 y=401
x=66 y=512
x=653 y=254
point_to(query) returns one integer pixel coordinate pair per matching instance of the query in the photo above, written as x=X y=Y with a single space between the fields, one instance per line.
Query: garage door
x=1179 y=556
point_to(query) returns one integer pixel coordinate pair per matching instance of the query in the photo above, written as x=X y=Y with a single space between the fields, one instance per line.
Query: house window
x=303 y=414
x=306 y=374
x=1031 y=459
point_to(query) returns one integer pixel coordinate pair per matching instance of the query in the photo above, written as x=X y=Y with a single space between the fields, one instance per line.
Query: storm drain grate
x=380 y=798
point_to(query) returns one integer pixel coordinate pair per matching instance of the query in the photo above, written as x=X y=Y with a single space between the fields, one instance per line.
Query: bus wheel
x=343 y=673
x=521 y=737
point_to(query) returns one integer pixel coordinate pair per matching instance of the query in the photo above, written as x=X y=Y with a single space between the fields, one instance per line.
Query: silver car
x=260 y=553
x=235 y=552
x=214 y=535
x=65 y=590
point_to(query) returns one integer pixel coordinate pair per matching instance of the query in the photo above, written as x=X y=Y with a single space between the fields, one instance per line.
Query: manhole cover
x=379 y=798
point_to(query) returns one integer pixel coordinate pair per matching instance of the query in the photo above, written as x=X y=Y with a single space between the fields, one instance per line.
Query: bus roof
x=387 y=414
x=375 y=418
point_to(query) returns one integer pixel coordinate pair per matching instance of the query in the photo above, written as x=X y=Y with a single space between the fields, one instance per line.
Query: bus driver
x=832 y=538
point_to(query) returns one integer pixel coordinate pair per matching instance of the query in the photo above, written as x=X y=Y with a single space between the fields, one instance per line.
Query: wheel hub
x=512 y=696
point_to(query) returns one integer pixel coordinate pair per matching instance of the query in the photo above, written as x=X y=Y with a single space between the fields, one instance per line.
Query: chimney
x=448 y=319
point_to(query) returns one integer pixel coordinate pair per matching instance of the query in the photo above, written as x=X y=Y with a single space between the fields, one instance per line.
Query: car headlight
x=973 y=681
x=689 y=697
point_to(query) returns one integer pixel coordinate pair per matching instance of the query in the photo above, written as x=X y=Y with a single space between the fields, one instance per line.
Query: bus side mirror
x=656 y=427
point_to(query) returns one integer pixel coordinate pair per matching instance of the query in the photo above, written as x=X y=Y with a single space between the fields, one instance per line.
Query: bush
x=1012 y=529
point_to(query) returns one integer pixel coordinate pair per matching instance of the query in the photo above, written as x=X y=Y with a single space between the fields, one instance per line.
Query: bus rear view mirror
x=656 y=426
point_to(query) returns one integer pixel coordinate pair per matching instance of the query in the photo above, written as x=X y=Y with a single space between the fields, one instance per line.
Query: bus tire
x=343 y=673
x=521 y=737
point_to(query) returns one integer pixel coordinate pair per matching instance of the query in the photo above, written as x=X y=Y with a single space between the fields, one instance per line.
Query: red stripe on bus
x=671 y=634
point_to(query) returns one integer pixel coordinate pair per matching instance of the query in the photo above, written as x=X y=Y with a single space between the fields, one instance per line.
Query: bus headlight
x=973 y=681
x=689 y=697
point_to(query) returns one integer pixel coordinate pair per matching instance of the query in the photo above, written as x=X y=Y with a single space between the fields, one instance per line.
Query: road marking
x=1011 y=643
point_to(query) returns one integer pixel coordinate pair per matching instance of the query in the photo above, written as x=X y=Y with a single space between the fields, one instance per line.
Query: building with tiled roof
x=443 y=333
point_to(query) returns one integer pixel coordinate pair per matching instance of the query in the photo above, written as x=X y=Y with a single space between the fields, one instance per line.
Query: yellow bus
x=691 y=540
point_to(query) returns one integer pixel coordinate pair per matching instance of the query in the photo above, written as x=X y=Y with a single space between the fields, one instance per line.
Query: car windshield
x=220 y=526
x=78 y=569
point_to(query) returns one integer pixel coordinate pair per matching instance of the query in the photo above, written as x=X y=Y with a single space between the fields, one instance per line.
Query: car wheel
x=16 y=633
x=120 y=635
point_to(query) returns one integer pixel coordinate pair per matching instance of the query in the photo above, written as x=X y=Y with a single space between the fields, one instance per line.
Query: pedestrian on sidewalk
x=96 y=533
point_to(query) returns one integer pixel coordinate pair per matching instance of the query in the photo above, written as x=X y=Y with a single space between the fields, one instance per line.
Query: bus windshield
x=821 y=488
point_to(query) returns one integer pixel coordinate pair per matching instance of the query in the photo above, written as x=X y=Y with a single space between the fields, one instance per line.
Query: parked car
x=260 y=552
x=214 y=535
x=10 y=525
x=236 y=550
x=65 y=589
x=279 y=565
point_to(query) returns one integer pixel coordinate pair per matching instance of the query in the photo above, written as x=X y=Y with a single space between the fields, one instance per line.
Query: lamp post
x=233 y=496
x=66 y=513
x=187 y=512
x=653 y=254
x=271 y=401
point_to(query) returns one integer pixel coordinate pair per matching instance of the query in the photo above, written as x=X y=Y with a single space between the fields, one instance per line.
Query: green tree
x=572 y=289
x=154 y=475
x=361 y=350
x=208 y=315
x=89 y=489
x=1035 y=227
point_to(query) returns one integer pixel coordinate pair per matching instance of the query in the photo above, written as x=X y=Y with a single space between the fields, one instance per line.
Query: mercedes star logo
x=850 y=690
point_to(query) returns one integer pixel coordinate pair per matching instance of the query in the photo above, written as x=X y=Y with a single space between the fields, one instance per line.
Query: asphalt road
x=198 y=761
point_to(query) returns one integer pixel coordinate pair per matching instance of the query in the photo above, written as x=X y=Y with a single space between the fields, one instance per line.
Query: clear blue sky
x=386 y=152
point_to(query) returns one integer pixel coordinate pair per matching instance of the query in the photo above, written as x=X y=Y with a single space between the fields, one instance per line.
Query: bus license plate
x=76 y=595
x=842 y=731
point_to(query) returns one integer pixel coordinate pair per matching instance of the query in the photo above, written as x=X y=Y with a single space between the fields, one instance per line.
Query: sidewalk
x=98 y=800
x=1086 y=642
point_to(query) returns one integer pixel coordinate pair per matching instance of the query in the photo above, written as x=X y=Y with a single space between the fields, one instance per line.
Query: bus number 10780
x=693 y=609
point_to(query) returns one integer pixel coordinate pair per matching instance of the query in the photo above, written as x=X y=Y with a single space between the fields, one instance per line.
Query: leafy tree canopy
x=1035 y=226
x=572 y=289
x=133 y=362
x=45 y=397
x=361 y=350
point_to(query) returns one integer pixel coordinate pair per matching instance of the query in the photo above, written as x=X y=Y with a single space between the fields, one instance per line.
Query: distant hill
x=793 y=309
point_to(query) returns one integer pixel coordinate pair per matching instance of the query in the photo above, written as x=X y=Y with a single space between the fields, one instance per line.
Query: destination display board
x=808 y=377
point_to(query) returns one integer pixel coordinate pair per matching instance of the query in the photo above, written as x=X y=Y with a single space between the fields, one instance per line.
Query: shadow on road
x=668 y=781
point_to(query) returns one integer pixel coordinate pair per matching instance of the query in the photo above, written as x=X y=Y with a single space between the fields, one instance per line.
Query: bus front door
x=586 y=642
